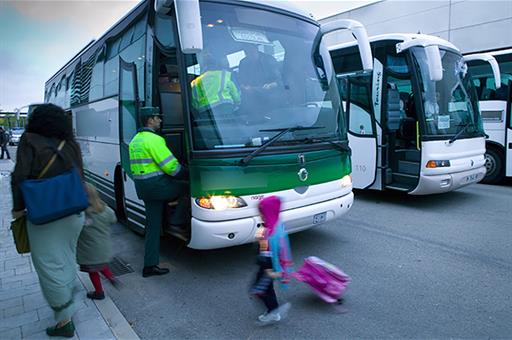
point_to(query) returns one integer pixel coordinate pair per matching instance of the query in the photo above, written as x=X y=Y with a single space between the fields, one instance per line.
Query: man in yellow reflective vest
x=157 y=176
x=214 y=89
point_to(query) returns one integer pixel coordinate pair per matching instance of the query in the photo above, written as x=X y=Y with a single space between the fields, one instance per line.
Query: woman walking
x=53 y=244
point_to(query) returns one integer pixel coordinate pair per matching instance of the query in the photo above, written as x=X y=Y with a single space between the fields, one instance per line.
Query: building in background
x=472 y=26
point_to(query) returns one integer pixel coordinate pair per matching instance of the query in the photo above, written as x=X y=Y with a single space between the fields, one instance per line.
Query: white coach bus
x=414 y=123
x=495 y=102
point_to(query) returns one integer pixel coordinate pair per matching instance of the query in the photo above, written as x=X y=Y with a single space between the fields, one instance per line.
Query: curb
x=110 y=313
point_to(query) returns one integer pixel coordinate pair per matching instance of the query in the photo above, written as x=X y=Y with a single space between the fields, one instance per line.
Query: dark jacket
x=4 y=138
x=34 y=152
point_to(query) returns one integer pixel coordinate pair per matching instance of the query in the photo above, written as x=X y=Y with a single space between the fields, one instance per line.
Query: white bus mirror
x=188 y=19
x=435 y=66
x=359 y=32
x=492 y=61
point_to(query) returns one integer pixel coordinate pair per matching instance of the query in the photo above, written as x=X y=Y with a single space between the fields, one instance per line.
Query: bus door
x=362 y=134
x=171 y=103
x=128 y=109
x=508 y=131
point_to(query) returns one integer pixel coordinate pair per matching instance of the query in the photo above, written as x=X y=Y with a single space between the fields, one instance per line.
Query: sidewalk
x=24 y=313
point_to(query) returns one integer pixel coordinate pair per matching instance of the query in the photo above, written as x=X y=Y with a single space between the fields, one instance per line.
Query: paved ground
x=24 y=313
x=422 y=268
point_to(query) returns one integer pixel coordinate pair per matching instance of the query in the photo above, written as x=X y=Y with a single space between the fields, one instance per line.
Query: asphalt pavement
x=422 y=267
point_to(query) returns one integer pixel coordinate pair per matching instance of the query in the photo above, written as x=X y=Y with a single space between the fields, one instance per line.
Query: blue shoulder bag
x=49 y=199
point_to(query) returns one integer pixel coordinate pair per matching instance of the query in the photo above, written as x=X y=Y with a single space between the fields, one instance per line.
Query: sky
x=38 y=37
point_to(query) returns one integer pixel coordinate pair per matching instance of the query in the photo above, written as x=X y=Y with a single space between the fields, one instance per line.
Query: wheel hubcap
x=490 y=164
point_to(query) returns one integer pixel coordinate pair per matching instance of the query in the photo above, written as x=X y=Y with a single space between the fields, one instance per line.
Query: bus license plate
x=471 y=178
x=319 y=218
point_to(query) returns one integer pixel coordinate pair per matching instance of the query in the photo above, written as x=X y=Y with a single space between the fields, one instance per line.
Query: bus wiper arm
x=457 y=135
x=340 y=145
x=282 y=131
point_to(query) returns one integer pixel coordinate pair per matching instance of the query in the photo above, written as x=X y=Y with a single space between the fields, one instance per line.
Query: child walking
x=94 y=249
x=274 y=260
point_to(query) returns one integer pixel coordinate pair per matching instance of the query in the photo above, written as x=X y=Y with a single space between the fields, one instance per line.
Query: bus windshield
x=255 y=75
x=450 y=105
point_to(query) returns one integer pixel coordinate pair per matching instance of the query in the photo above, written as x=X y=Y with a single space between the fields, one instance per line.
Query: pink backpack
x=326 y=280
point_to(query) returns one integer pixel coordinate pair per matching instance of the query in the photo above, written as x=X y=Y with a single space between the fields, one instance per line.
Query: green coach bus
x=286 y=137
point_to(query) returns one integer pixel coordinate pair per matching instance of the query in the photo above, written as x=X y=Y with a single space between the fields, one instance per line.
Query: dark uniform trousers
x=155 y=192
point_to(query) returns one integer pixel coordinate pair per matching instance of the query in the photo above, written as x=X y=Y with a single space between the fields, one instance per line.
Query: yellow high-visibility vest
x=213 y=88
x=150 y=156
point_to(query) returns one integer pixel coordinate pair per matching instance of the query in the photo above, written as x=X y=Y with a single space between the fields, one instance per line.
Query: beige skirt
x=53 y=250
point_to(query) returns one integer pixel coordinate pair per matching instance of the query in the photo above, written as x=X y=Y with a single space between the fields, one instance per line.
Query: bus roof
x=283 y=5
x=500 y=52
x=404 y=37
x=112 y=31
x=139 y=8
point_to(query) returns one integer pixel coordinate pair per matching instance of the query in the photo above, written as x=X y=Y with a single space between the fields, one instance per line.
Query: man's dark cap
x=150 y=111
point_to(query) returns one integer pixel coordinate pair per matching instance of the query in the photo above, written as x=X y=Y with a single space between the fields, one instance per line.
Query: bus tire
x=121 y=214
x=493 y=165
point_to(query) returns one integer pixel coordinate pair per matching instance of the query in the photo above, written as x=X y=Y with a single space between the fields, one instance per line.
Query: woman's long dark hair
x=51 y=121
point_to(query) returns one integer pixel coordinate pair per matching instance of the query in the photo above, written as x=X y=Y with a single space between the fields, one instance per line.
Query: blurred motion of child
x=94 y=249
x=274 y=260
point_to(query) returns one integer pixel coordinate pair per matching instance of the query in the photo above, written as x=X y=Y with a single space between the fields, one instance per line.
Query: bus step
x=398 y=187
x=408 y=167
x=403 y=182
x=405 y=179
x=412 y=155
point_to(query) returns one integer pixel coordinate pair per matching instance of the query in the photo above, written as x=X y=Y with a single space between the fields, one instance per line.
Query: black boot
x=68 y=330
x=154 y=270
x=96 y=295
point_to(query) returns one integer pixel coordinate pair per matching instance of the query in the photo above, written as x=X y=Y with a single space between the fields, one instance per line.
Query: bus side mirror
x=188 y=19
x=434 y=62
x=359 y=32
x=432 y=55
x=492 y=61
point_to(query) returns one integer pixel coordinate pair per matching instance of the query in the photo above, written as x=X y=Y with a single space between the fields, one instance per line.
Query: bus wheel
x=494 y=166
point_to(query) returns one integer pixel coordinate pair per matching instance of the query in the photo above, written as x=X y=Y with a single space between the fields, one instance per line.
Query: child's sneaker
x=273 y=316
x=284 y=309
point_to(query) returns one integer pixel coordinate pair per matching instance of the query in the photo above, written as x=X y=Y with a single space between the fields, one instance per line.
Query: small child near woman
x=94 y=249
x=274 y=260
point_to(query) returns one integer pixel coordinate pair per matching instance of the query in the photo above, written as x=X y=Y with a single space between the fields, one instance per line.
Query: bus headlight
x=346 y=181
x=438 y=164
x=220 y=202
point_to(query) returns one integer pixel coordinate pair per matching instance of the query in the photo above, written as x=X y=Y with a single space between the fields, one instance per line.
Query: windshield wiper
x=340 y=145
x=282 y=131
x=458 y=134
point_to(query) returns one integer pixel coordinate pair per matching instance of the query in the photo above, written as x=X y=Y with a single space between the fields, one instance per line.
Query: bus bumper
x=221 y=234
x=435 y=184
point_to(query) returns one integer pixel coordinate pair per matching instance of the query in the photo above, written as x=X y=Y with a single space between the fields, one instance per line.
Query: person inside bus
x=158 y=178
x=295 y=73
x=259 y=79
x=502 y=92
x=214 y=90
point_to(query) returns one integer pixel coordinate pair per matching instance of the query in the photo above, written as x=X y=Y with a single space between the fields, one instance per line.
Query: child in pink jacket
x=274 y=260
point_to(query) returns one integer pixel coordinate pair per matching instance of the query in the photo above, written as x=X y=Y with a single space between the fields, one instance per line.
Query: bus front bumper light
x=220 y=202
x=438 y=164
x=346 y=181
